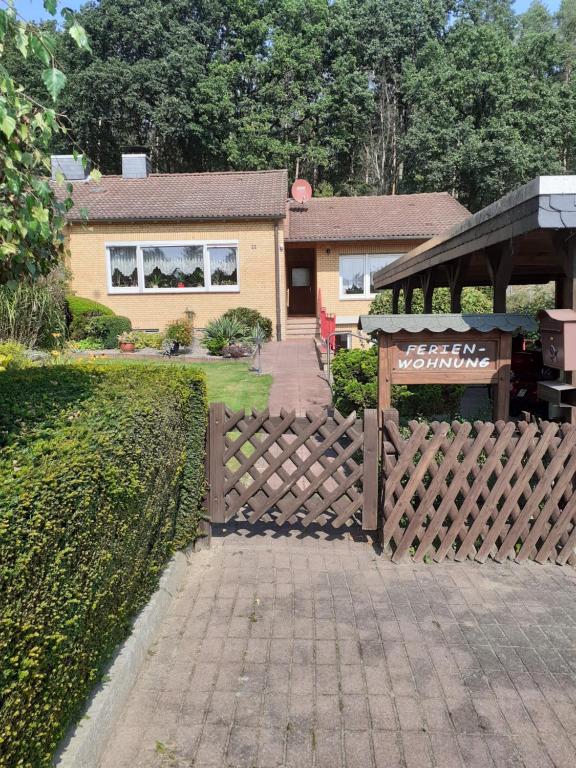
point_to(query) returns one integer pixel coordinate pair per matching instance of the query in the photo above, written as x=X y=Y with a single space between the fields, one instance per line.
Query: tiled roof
x=373 y=218
x=174 y=196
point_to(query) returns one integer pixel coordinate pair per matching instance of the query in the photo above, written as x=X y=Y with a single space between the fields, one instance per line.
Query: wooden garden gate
x=432 y=491
x=321 y=468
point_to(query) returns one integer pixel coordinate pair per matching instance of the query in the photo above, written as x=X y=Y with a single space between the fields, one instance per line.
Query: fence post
x=204 y=541
x=216 y=446
x=370 y=484
x=388 y=459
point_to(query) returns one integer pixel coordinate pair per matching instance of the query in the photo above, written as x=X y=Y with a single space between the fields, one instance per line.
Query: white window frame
x=141 y=244
x=366 y=294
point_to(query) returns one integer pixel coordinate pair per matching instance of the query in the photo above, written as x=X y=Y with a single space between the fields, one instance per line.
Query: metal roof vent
x=71 y=168
x=135 y=166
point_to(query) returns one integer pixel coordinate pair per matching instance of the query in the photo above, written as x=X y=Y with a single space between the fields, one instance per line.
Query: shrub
x=86 y=344
x=79 y=306
x=180 y=331
x=151 y=340
x=355 y=387
x=13 y=355
x=250 y=318
x=474 y=300
x=80 y=312
x=107 y=328
x=223 y=332
x=101 y=479
x=354 y=375
x=34 y=312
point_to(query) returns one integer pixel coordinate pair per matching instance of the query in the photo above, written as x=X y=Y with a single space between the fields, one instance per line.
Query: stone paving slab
x=298 y=383
x=310 y=650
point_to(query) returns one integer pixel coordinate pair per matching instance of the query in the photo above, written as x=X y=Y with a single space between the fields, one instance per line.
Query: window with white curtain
x=357 y=273
x=123 y=267
x=172 y=267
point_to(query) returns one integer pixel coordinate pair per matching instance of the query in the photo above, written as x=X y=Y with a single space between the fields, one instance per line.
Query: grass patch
x=236 y=385
x=231 y=383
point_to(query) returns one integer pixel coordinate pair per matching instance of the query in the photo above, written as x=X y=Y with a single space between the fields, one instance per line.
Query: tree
x=486 y=113
x=31 y=218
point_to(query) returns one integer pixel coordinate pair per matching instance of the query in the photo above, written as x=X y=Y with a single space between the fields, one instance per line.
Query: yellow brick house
x=154 y=247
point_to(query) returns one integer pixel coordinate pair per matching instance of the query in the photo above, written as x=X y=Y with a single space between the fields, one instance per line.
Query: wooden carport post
x=566 y=293
x=500 y=262
x=427 y=282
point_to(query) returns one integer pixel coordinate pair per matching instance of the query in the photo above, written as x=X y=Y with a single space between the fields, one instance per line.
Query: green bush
x=180 y=331
x=223 y=332
x=34 y=312
x=151 y=340
x=81 y=311
x=12 y=355
x=474 y=300
x=355 y=387
x=101 y=479
x=107 y=328
x=250 y=318
x=78 y=306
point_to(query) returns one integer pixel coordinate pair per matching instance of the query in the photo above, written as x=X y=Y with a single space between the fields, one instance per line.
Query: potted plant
x=180 y=334
x=154 y=281
x=127 y=341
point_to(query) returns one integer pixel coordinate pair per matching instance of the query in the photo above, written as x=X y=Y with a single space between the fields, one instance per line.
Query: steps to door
x=301 y=327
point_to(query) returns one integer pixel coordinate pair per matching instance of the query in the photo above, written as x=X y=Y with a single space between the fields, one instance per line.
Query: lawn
x=231 y=383
x=235 y=385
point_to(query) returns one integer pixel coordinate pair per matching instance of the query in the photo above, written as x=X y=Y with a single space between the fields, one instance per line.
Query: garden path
x=304 y=651
x=298 y=381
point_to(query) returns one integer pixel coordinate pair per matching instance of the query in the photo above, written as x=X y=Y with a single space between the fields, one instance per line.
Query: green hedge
x=355 y=387
x=101 y=479
x=80 y=312
x=107 y=329
x=78 y=306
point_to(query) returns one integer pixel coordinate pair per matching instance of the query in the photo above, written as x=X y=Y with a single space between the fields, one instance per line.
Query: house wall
x=348 y=310
x=256 y=254
x=328 y=271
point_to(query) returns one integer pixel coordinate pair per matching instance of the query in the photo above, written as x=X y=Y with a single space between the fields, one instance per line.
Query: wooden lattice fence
x=321 y=468
x=505 y=491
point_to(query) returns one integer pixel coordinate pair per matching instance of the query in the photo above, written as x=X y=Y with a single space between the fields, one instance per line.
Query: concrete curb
x=84 y=744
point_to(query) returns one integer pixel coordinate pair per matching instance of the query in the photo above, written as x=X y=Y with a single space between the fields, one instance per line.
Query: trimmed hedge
x=80 y=313
x=107 y=329
x=79 y=306
x=101 y=480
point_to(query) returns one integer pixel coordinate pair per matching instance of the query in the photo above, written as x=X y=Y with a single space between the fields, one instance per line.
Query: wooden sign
x=448 y=357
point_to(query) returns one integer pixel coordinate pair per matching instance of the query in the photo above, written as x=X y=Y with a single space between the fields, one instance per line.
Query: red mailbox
x=558 y=337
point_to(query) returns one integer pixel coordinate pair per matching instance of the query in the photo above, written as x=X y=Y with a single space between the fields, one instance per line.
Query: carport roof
x=529 y=215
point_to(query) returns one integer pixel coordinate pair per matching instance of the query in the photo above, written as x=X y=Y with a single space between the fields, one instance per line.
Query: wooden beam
x=500 y=263
x=427 y=284
x=395 y=298
x=384 y=374
x=566 y=292
x=566 y=285
x=408 y=291
x=502 y=386
x=456 y=272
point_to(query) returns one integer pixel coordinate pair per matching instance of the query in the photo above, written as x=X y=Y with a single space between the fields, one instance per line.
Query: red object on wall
x=327 y=324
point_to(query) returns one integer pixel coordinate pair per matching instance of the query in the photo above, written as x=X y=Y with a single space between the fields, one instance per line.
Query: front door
x=301 y=283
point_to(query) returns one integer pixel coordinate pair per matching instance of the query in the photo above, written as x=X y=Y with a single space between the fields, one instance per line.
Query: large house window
x=172 y=267
x=357 y=274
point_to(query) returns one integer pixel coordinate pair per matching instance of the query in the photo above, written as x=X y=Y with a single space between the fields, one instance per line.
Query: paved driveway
x=316 y=652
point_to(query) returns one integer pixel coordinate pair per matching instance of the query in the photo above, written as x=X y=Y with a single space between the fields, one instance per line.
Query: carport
x=525 y=238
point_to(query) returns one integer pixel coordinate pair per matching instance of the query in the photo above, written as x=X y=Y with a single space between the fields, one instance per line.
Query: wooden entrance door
x=301 y=282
